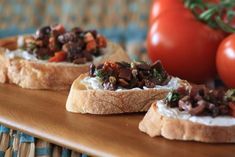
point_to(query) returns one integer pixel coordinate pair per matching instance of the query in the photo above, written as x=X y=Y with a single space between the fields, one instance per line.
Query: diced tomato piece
x=60 y=28
x=232 y=108
x=91 y=45
x=89 y=37
x=102 y=42
x=58 y=57
x=110 y=65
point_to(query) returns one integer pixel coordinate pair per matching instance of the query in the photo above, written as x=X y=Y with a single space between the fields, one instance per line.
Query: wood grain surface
x=42 y=114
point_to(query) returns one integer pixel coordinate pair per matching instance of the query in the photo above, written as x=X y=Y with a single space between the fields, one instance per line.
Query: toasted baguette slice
x=82 y=99
x=9 y=43
x=155 y=124
x=45 y=75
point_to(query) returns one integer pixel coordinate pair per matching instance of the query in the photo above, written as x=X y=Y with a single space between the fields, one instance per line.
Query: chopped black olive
x=42 y=32
x=201 y=101
x=92 y=70
x=80 y=46
x=128 y=75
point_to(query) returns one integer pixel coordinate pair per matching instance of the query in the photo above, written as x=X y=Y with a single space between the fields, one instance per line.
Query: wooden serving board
x=42 y=114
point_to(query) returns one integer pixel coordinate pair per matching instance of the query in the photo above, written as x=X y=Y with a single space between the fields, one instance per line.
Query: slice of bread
x=83 y=99
x=156 y=124
x=38 y=74
x=9 y=43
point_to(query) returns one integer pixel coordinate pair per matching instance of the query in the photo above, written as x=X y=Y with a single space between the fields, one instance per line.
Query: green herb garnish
x=173 y=97
x=158 y=75
x=230 y=95
x=100 y=74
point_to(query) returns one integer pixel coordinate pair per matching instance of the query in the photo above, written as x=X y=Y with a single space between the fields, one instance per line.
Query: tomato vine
x=216 y=14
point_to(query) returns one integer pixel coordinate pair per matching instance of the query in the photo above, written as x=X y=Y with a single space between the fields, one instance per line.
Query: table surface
x=42 y=114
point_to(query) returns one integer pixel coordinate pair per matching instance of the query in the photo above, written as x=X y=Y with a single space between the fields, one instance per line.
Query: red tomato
x=186 y=46
x=58 y=57
x=160 y=7
x=225 y=61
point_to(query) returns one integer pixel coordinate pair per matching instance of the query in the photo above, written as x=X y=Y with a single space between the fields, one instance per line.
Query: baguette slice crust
x=33 y=74
x=155 y=124
x=84 y=100
x=9 y=43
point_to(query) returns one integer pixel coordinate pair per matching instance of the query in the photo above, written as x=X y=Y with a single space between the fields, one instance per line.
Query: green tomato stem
x=212 y=13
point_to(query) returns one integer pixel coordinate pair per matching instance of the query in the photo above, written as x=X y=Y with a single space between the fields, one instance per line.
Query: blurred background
x=122 y=21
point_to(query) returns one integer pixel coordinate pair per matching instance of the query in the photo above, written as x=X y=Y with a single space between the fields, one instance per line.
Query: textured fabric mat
x=17 y=144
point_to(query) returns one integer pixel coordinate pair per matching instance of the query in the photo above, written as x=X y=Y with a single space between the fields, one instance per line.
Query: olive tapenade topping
x=134 y=75
x=55 y=44
x=202 y=101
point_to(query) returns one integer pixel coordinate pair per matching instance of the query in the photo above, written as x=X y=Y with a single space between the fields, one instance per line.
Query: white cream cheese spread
x=20 y=41
x=18 y=53
x=95 y=83
x=92 y=83
x=164 y=110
